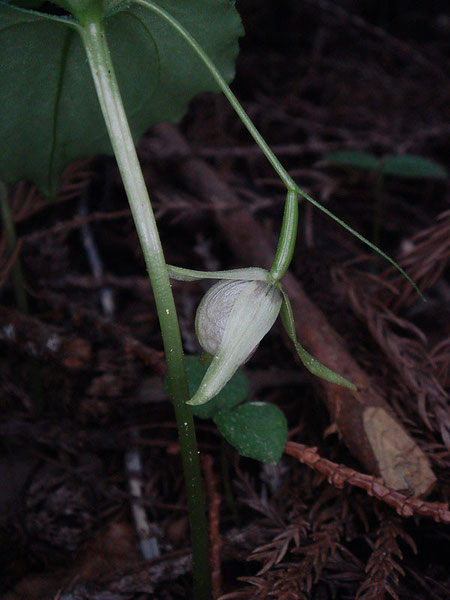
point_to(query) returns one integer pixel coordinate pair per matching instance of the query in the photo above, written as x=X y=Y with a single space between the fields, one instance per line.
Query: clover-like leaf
x=256 y=429
x=49 y=112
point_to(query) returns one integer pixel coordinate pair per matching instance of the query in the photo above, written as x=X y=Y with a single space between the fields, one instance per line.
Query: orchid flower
x=233 y=317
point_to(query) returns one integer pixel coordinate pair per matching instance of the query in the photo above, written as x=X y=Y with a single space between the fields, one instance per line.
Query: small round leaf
x=256 y=429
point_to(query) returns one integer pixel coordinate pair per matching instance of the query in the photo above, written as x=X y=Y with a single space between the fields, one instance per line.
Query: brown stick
x=364 y=420
x=339 y=475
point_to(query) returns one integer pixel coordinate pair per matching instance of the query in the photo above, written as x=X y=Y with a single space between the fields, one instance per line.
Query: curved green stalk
x=312 y=364
x=248 y=274
x=378 y=216
x=361 y=238
x=282 y=173
x=288 y=237
x=94 y=40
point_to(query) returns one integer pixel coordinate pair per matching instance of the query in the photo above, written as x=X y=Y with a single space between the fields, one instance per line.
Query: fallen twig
x=339 y=475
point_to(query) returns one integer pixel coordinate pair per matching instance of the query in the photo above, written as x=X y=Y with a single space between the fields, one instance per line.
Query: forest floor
x=321 y=523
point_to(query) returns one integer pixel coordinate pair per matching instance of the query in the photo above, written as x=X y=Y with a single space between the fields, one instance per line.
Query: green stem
x=282 y=173
x=94 y=39
x=378 y=216
x=362 y=238
x=11 y=244
x=287 y=239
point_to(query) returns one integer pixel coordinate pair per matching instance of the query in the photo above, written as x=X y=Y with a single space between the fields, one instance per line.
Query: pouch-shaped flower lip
x=213 y=313
x=232 y=319
x=215 y=323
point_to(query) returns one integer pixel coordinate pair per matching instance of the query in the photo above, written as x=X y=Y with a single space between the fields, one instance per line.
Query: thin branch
x=339 y=475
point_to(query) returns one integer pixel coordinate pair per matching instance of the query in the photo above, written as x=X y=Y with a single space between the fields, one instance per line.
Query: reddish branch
x=339 y=475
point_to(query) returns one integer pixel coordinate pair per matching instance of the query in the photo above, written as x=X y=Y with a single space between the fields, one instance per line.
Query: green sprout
x=399 y=165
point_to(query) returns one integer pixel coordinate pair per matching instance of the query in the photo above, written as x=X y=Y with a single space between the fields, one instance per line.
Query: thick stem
x=94 y=39
x=11 y=244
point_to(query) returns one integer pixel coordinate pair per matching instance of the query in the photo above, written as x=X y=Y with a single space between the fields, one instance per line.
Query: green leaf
x=407 y=165
x=234 y=392
x=352 y=158
x=256 y=429
x=49 y=110
x=312 y=364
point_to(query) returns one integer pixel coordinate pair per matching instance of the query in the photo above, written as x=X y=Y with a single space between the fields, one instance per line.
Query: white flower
x=231 y=320
x=234 y=316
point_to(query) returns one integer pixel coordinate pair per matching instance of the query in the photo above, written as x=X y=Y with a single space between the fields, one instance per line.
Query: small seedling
x=145 y=60
x=400 y=165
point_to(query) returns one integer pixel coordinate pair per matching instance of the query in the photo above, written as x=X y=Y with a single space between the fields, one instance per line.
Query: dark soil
x=82 y=378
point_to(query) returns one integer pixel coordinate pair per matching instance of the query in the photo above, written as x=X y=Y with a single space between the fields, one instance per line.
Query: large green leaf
x=49 y=113
x=257 y=430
